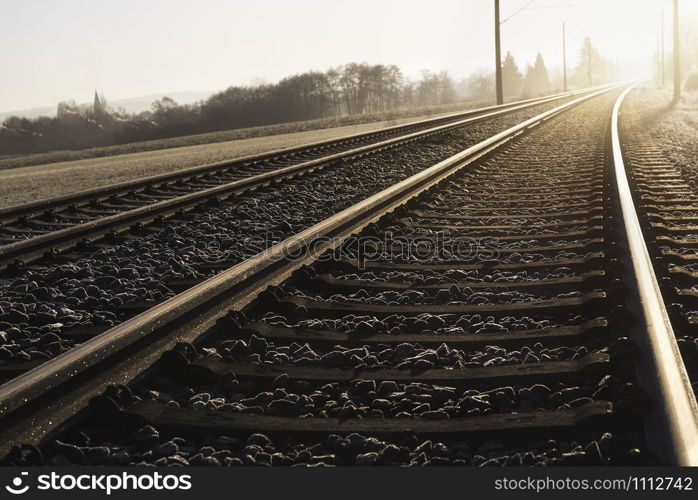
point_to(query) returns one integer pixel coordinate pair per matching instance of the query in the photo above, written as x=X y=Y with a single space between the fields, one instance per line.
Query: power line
x=522 y=8
x=528 y=7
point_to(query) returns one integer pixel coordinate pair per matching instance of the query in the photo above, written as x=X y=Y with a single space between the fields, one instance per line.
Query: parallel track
x=523 y=347
x=48 y=227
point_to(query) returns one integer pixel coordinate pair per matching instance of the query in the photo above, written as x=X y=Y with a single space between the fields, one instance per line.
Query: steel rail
x=679 y=413
x=41 y=206
x=36 y=403
x=53 y=242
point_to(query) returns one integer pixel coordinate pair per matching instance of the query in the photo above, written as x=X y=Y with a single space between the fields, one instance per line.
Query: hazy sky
x=55 y=50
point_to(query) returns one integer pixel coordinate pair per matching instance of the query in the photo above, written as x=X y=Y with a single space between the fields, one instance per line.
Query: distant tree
x=435 y=88
x=590 y=68
x=394 y=82
x=427 y=90
x=171 y=117
x=351 y=89
x=478 y=86
x=303 y=97
x=447 y=92
x=512 y=80
x=333 y=83
x=536 y=81
x=408 y=95
x=67 y=110
x=162 y=105
x=353 y=84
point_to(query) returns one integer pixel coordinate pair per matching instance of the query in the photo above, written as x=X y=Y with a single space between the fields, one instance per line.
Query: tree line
x=591 y=69
x=347 y=90
x=351 y=89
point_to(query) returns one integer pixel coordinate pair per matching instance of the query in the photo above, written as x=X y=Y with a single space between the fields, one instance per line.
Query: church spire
x=98 y=107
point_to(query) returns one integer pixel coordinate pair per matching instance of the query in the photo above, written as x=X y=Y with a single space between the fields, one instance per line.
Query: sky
x=56 y=50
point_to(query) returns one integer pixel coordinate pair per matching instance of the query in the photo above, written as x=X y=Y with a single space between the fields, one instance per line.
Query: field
x=16 y=161
x=22 y=181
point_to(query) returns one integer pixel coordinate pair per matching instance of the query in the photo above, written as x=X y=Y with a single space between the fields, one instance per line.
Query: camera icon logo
x=16 y=487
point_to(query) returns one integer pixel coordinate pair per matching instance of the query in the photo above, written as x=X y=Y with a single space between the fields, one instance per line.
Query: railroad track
x=498 y=308
x=667 y=201
x=55 y=303
x=45 y=228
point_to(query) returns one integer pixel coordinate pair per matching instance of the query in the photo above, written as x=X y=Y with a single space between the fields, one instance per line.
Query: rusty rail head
x=205 y=303
x=678 y=409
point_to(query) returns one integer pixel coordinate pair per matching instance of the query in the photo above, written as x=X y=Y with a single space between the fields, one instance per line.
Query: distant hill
x=29 y=113
x=131 y=105
x=138 y=104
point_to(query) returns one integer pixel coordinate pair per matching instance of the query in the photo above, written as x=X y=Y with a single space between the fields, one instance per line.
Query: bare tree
x=351 y=89
x=478 y=86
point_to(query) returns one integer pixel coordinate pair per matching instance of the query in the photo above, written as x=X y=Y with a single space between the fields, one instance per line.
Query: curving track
x=490 y=310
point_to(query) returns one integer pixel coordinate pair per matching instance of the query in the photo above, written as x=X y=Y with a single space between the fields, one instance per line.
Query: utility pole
x=677 y=56
x=659 y=64
x=564 y=60
x=589 y=61
x=498 y=55
x=662 y=50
